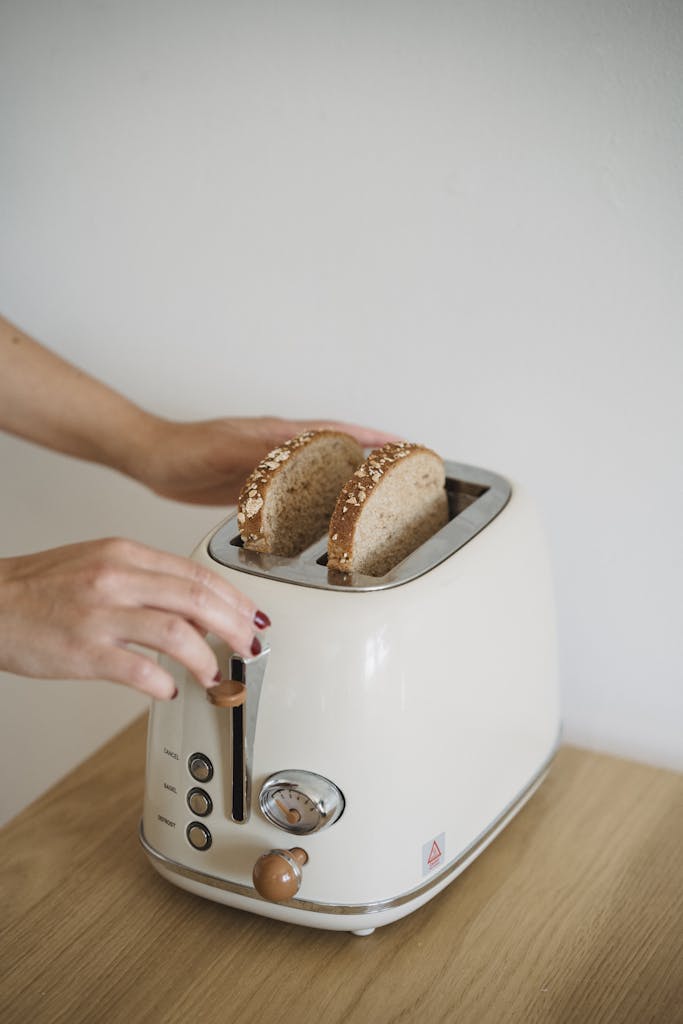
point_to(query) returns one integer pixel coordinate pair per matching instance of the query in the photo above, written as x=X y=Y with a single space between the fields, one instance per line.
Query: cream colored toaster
x=388 y=731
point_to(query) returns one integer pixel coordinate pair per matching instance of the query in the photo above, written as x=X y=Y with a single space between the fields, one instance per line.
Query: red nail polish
x=217 y=677
x=256 y=646
x=174 y=694
x=261 y=620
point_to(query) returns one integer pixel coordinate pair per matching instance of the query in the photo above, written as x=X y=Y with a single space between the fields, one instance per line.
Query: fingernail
x=261 y=620
x=174 y=694
x=217 y=677
x=256 y=646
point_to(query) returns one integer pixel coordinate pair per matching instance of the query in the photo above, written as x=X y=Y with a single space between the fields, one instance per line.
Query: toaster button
x=198 y=835
x=199 y=802
x=200 y=767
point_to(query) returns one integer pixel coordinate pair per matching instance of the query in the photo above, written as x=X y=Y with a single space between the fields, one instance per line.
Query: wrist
x=131 y=449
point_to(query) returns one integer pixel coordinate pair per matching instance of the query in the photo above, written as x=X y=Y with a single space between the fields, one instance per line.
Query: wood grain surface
x=574 y=914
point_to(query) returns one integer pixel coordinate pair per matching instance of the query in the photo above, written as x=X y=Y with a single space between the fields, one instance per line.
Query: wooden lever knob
x=277 y=873
x=227 y=694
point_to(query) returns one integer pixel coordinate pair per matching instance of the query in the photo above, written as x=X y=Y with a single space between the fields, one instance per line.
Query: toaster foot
x=363 y=931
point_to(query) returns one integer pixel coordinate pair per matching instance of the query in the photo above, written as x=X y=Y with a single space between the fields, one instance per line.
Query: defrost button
x=198 y=835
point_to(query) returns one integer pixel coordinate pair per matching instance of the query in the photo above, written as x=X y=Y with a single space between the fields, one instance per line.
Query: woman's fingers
x=138 y=671
x=168 y=634
x=208 y=461
x=367 y=436
x=71 y=612
x=190 y=591
x=131 y=555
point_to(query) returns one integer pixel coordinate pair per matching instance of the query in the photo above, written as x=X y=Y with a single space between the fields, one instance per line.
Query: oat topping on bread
x=393 y=502
x=287 y=500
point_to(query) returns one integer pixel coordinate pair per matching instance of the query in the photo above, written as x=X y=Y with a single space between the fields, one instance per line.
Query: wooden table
x=574 y=914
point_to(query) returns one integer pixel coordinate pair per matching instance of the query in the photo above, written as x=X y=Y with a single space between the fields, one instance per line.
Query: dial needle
x=291 y=815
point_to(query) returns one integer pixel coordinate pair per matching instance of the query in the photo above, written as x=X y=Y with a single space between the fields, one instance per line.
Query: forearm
x=47 y=400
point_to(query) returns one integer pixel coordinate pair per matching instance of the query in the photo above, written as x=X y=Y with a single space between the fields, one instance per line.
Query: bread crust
x=254 y=494
x=355 y=493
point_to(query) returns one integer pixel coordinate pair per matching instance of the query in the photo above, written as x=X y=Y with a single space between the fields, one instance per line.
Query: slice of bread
x=287 y=501
x=393 y=503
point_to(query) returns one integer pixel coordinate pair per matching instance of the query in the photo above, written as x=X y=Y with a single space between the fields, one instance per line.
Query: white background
x=457 y=221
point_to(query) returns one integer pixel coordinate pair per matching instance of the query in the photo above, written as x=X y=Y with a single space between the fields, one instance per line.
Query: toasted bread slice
x=286 y=503
x=393 y=503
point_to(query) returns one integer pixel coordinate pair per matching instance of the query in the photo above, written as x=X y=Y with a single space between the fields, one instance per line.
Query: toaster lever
x=240 y=696
x=229 y=693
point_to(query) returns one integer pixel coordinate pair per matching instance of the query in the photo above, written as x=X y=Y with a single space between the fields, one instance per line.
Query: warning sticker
x=433 y=853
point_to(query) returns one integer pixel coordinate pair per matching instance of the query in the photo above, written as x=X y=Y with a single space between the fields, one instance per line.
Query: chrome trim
x=327 y=798
x=253 y=671
x=452 y=867
x=476 y=496
x=290 y=861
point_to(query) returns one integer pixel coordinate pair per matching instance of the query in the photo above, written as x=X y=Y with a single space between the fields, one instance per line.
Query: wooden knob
x=277 y=873
x=228 y=694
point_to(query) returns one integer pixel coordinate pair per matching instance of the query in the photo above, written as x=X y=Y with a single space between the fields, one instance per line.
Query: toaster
x=387 y=732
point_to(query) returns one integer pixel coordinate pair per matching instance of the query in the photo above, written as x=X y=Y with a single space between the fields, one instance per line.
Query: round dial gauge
x=300 y=802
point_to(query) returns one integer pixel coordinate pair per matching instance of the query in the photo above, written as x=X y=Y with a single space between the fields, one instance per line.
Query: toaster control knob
x=277 y=873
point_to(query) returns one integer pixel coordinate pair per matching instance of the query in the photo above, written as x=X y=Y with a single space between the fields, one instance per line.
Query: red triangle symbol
x=434 y=854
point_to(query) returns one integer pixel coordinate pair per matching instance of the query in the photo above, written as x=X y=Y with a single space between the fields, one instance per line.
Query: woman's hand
x=207 y=462
x=47 y=400
x=71 y=612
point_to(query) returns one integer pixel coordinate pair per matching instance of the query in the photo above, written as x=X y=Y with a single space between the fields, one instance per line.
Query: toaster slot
x=238 y=772
x=242 y=731
x=475 y=497
x=237 y=746
x=462 y=494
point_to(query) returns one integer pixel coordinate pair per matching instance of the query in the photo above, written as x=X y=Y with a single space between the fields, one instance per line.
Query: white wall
x=458 y=221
